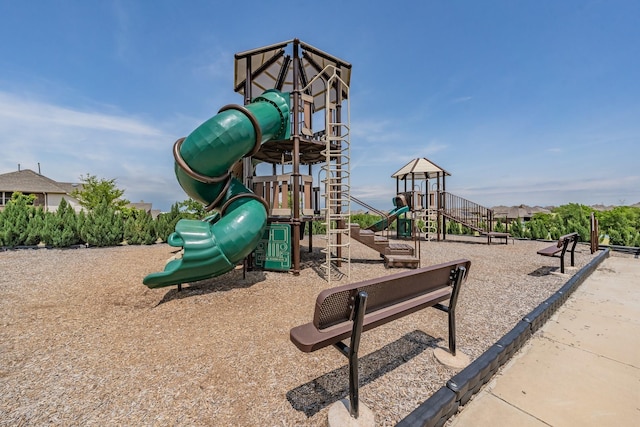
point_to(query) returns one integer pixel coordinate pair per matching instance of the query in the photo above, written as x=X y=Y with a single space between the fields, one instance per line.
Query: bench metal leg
x=457 y=276
x=452 y=332
x=565 y=246
x=359 y=308
x=573 y=250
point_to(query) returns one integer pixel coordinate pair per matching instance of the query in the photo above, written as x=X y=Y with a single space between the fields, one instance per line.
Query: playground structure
x=431 y=206
x=295 y=113
x=423 y=198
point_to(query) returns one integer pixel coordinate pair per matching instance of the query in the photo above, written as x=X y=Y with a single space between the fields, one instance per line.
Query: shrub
x=454 y=228
x=516 y=229
x=622 y=224
x=35 y=226
x=139 y=229
x=61 y=227
x=15 y=220
x=166 y=222
x=103 y=227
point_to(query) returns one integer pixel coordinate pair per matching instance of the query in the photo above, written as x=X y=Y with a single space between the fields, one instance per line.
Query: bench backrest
x=567 y=237
x=334 y=306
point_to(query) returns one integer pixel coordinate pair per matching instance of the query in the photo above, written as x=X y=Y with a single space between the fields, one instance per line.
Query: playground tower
x=423 y=196
x=295 y=113
x=318 y=84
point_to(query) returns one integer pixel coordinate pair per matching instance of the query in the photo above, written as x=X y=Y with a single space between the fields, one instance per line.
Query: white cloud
x=34 y=114
x=66 y=143
x=461 y=99
x=584 y=190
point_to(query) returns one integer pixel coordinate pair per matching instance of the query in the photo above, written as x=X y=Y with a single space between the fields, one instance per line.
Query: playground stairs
x=394 y=254
x=467 y=213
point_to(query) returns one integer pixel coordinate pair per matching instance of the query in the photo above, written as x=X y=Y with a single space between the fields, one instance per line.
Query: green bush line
x=618 y=226
x=22 y=224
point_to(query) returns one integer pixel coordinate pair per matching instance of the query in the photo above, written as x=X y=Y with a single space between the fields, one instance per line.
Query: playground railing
x=466 y=212
x=277 y=191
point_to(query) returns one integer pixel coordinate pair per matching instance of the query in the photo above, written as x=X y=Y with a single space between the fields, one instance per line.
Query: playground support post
x=296 y=160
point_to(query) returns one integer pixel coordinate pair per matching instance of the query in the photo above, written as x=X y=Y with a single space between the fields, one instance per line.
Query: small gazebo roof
x=420 y=169
x=271 y=67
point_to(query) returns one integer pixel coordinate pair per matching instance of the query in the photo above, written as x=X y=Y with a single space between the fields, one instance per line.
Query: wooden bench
x=348 y=310
x=561 y=247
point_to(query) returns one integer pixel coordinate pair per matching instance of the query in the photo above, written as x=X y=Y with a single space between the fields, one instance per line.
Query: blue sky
x=533 y=102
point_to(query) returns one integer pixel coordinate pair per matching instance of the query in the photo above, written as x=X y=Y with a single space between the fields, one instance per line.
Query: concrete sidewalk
x=582 y=368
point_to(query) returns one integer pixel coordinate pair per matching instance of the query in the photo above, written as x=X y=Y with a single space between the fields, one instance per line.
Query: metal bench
x=348 y=310
x=561 y=247
x=499 y=235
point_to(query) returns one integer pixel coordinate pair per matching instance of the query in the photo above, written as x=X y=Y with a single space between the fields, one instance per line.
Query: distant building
x=49 y=193
x=147 y=207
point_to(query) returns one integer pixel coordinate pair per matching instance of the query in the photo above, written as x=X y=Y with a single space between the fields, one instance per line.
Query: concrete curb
x=445 y=402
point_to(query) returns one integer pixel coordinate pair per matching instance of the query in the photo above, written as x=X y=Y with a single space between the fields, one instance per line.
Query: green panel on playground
x=405 y=227
x=274 y=249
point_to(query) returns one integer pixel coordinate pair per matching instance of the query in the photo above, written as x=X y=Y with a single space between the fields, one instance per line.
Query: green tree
x=365 y=220
x=622 y=224
x=35 y=226
x=95 y=191
x=454 y=228
x=139 y=229
x=15 y=219
x=166 y=222
x=539 y=226
x=191 y=209
x=61 y=227
x=575 y=218
x=103 y=226
x=516 y=229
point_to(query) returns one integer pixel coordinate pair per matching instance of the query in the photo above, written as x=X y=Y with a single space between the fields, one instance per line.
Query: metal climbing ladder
x=337 y=179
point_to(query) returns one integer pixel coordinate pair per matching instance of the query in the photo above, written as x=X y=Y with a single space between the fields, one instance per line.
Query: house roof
x=521 y=211
x=143 y=206
x=420 y=169
x=28 y=181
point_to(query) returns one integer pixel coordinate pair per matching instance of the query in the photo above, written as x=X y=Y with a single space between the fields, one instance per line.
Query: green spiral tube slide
x=216 y=244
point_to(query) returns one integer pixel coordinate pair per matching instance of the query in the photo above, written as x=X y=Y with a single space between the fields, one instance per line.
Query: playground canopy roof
x=420 y=169
x=271 y=67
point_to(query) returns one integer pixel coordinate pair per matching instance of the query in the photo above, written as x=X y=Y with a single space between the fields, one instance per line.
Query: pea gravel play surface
x=84 y=342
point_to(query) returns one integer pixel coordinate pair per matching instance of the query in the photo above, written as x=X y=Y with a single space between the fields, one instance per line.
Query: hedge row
x=617 y=226
x=22 y=224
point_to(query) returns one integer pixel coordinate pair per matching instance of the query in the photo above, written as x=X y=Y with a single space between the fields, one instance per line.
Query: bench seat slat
x=550 y=251
x=308 y=338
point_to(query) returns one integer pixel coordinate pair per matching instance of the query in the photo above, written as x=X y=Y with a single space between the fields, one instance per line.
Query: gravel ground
x=84 y=342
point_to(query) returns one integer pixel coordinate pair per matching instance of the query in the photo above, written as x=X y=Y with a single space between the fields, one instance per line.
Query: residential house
x=49 y=193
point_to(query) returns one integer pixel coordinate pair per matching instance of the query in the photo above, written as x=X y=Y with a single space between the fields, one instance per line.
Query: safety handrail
x=371 y=208
x=466 y=212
